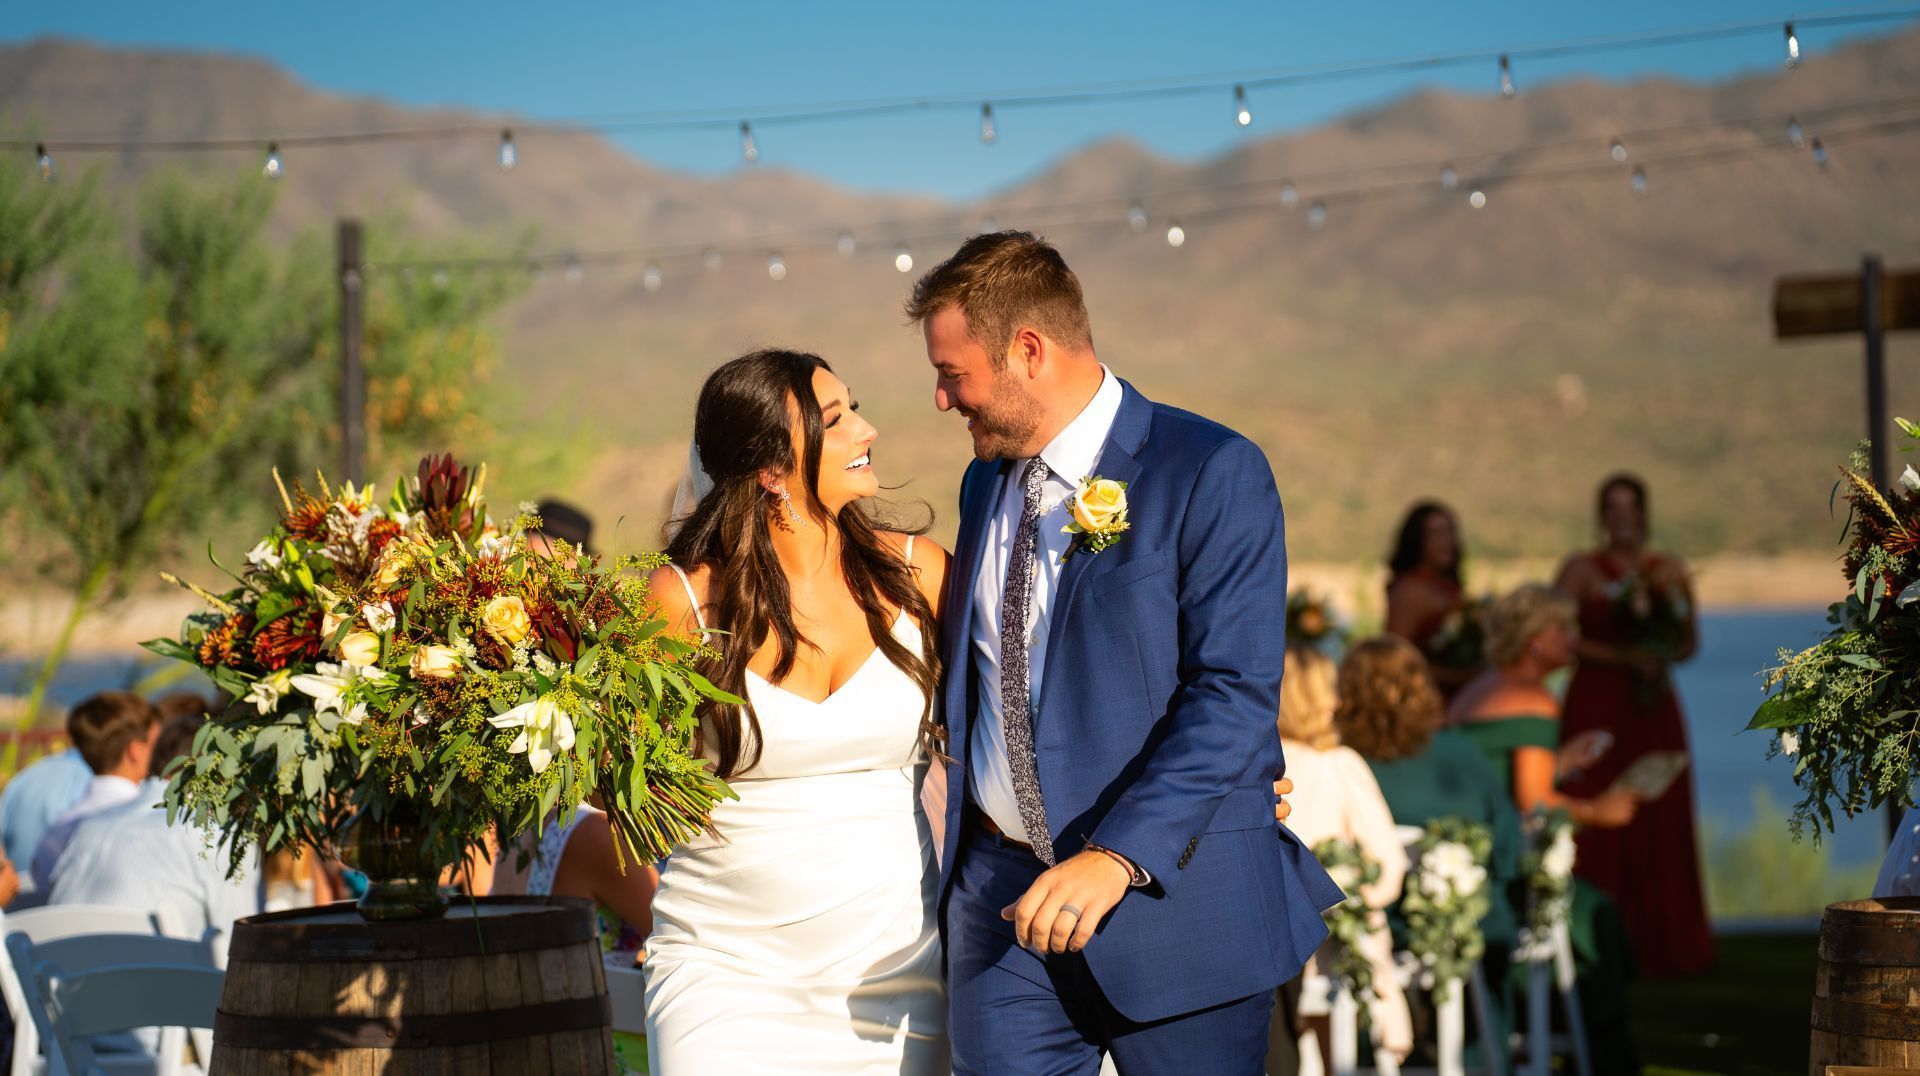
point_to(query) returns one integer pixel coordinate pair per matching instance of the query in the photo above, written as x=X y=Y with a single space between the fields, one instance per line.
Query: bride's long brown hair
x=741 y=428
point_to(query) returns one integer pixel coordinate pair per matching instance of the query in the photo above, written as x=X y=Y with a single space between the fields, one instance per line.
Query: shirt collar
x=1074 y=452
x=110 y=784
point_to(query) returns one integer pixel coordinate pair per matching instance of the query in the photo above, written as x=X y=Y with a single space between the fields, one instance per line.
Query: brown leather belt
x=992 y=829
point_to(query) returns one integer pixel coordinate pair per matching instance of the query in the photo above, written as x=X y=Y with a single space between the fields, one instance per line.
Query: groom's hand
x=1091 y=882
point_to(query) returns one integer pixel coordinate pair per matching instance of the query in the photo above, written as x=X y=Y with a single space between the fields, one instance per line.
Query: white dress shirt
x=104 y=792
x=1073 y=455
x=129 y=857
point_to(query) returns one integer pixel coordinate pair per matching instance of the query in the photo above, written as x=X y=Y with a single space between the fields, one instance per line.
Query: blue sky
x=568 y=60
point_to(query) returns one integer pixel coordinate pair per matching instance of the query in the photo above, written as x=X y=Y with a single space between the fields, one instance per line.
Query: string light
x=1506 y=76
x=1449 y=179
x=1289 y=195
x=845 y=244
x=1793 y=47
x=1819 y=153
x=509 y=156
x=274 y=168
x=776 y=266
x=1317 y=215
x=1796 y=134
x=1176 y=235
x=1137 y=217
x=749 y=150
x=651 y=277
x=1637 y=183
x=1478 y=199
x=710 y=258
x=1617 y=150
x=44 y=161
x=903 y=259
x=987 y=133
x=1242 y=112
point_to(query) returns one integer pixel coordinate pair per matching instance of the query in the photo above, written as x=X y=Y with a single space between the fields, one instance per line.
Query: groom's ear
x=1027 y=350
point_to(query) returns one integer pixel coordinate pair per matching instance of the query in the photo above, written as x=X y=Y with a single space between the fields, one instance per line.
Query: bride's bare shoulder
x=676 y=604
x=928 y=559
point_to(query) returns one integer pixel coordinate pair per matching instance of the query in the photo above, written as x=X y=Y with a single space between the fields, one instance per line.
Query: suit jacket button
x=1187 y=856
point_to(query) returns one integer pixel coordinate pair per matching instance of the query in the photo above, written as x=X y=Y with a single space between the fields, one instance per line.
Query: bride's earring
x=786 y=505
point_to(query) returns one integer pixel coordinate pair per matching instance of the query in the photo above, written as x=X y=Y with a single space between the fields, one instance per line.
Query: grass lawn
x=1747 y=1015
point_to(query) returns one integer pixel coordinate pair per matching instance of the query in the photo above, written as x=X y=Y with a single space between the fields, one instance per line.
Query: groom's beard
x=1003 y=429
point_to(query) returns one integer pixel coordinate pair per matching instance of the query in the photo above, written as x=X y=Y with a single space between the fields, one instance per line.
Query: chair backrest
x=121 y=997
x=51 y=923
x=627 y=992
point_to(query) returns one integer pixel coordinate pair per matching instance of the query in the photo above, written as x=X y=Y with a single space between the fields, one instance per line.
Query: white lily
x=380 y=616
x=264 y=556
x=1789 y=739
x=269 y=690
x=1910 y=478
x=544 y=727
x=328 y=682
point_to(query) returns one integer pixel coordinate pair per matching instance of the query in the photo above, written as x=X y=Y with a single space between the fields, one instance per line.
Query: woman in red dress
x=1637 y=618
x=1425 y=601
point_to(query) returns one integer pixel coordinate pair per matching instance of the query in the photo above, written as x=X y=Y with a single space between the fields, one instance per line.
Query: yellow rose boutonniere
x=1099 y=515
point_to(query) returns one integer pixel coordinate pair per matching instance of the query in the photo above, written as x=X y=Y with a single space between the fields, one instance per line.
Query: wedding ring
x=1072 y=909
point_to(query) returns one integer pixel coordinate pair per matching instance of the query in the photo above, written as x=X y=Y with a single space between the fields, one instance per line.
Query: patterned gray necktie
x=1016 y=603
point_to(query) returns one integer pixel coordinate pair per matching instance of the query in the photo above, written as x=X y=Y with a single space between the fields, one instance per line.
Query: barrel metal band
x=1867 y=1021
x=276 y=940
x=412 y=1032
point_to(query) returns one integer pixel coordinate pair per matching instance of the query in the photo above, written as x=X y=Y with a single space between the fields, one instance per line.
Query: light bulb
x=1819 y=153
x=711 y=259
x=903 y=259
x=776 y=266
x=987 y=133
x=1796 y=134
x=509 y=156
x=1506 y=76
x=1478 y=199
x=1449 y=179
x=1793 y=47
x=1289 y=195
x=1137 y=217
x=576 y=270
x=1242 y=113
x=45 y=162
x=1617 y=150
x=1317 y=215
x=651 y=278
x=1637 y=183
x=845 y=244
x=749 y=151
x=275 y=167
x=1176 y=235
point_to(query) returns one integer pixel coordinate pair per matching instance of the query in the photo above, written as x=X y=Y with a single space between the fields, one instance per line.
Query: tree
x=146 y=387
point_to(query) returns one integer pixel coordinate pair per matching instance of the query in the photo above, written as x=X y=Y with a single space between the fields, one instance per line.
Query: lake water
x=1719 y=689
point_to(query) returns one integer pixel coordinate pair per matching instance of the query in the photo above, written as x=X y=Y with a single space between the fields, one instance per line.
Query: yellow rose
x=360 y=648
x=1098 y=505
x=386 y=574
x=506 y=616
x=435 y=663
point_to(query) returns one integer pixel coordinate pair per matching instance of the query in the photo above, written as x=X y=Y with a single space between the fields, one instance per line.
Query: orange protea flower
x=307 y=519
x=218 y=647
x=379 y=533
x=292 y=638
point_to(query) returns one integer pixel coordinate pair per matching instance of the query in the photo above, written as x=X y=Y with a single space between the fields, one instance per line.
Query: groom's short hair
x=1002 y=281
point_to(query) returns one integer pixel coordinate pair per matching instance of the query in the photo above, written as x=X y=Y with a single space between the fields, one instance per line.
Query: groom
x=1112 y=880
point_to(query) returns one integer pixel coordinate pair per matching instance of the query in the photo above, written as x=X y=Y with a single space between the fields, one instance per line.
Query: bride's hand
x=1281 y=808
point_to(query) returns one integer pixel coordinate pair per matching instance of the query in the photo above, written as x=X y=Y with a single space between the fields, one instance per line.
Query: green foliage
x=1547 y=867
x=1446 y=898
x=1351 y=920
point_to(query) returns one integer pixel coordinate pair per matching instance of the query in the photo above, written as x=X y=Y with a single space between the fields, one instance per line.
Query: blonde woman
x=1338 y=797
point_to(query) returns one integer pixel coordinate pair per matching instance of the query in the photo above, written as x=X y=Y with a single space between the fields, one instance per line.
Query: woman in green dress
x=1515 y=722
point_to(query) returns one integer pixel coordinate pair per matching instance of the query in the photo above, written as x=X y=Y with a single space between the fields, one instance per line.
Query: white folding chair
x=1548 y=956
x=121 y=997
x=86 y=952
x=50 y=923
x=627 y=991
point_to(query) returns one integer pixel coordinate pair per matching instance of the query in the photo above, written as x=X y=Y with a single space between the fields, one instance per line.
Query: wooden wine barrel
x=510 y=985
x=1866 y=992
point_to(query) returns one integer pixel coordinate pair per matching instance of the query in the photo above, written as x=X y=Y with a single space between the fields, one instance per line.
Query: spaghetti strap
x=698 y=616
x=910 y=548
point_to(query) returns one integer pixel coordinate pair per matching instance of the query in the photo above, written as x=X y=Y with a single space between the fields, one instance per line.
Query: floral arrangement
x=1846 y=710
x=1350 y=920
x=1652 y=614
x=1461 y=640
x=1547 y=866
x=1446 y=899
x=414 y=668
x=1310 y=621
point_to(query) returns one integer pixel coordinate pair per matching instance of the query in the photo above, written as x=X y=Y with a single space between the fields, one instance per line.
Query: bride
x=800 y=935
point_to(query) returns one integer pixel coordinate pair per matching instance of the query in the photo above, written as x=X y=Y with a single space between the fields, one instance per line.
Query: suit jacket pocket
x=1142 y=567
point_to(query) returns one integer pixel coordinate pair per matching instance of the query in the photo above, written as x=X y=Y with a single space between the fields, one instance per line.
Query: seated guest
x=1337 y=797
x=129 y=857
x=114 y=733
x=37 y=795
x=561 y=522
x=1515 y=721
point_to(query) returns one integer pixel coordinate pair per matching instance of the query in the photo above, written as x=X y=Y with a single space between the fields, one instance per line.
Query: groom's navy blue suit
x=1154 y=735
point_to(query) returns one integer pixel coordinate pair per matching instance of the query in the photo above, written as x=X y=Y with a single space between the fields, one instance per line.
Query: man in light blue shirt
x=35 y=797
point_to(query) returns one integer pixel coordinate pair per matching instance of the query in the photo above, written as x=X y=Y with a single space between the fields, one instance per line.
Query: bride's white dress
x=803 y=938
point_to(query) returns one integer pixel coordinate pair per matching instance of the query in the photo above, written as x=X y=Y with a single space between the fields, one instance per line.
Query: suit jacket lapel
x=964 y=576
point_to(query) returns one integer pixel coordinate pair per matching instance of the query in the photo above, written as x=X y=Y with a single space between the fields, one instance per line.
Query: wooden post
x=353 y=378
x=1872 y=328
